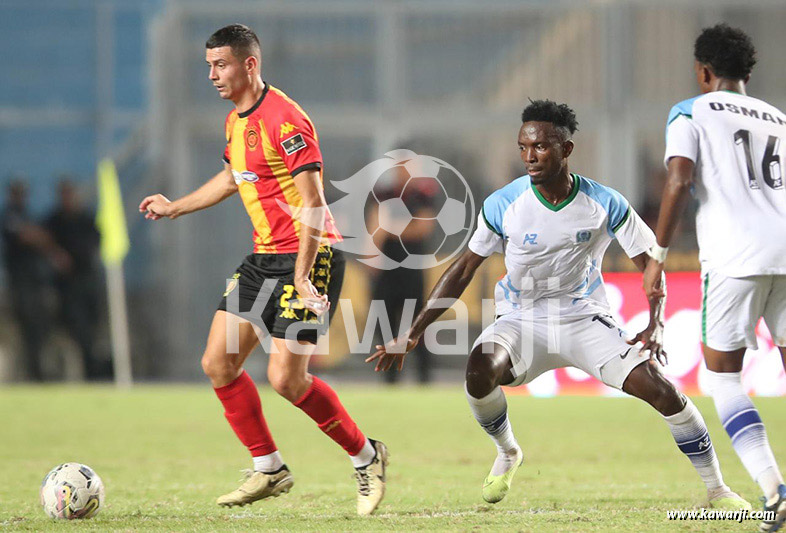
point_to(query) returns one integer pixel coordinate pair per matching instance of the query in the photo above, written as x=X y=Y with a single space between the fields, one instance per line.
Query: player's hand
x=652 y=339
x=157 y=206
x=653 y=280
x=392 y=353
x=309 y=297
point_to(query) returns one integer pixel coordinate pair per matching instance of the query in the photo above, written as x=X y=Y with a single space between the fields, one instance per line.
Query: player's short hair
x=729 y=52
x=242 y=39
x=562 y=116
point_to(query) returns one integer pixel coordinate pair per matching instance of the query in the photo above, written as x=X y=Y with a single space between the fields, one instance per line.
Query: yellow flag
x=111 y=219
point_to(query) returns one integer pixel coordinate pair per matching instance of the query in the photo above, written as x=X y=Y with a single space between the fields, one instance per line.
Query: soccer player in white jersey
x=728 y=149
x=553 y=228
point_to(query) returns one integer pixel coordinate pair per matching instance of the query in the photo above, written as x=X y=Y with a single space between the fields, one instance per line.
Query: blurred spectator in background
x=30 y=252
x=396 y=286
x=79 y=288
x=685 y=235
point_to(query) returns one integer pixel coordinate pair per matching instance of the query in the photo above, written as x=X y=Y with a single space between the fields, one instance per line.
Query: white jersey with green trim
x=555 y=252
x=738 y=144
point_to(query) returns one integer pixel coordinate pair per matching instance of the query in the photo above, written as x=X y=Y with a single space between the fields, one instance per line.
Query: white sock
x=690 y=432
x=365 y=456
x=504 y=461
x=268 y=463
x=491 y=412
x=742 y=422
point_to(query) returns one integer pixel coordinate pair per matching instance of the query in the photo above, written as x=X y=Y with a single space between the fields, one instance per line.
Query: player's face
x=230 y=75
x=543 y=151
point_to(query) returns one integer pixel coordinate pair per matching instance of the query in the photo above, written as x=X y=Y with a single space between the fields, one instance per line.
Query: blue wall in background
x=48 y=97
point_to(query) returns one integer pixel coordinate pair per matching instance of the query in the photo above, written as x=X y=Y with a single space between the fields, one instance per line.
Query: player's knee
x=485 y=371
x=647 y=383
x=287 y=384
x=480 y=383
x=209 y=366
x=218 y=369
x=669 y=401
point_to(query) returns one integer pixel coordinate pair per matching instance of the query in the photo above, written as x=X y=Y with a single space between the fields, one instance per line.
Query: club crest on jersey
x=246 y=175
x=293 y=144
x=583 y=236
x=286 y=129
x=252 y=139
x=530 y=238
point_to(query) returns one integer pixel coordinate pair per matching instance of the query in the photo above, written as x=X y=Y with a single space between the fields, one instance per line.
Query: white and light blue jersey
x=555 y=251
x=738 y=146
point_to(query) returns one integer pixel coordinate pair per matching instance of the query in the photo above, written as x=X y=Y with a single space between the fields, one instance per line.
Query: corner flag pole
x=111 y=222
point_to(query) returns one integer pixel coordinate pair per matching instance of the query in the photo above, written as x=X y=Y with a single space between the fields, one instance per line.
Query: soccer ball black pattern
x=72 y=490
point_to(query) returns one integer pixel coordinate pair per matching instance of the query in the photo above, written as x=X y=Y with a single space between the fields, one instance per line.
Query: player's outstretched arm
x=451 y=285
x=676 y=195
x=652 y=335
x=218 y=188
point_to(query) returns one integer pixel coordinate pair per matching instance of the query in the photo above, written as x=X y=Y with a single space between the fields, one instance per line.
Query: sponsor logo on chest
x=530 y=238
x=245 y=176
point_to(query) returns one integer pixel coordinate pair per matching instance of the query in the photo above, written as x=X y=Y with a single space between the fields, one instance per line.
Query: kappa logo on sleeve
x=286 y=129
x=293 y=144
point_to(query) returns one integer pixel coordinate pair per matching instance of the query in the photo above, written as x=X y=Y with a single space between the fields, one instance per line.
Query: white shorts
x=539 y=343
x=731 y=308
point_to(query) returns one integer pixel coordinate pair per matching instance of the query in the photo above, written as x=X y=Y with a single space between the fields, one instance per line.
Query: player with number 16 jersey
x=736 y=143
x=727 y=149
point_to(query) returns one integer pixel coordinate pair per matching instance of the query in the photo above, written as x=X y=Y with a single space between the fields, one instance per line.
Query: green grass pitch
x=165 y=453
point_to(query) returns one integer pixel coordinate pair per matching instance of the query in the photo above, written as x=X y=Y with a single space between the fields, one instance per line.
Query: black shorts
x=263 y=285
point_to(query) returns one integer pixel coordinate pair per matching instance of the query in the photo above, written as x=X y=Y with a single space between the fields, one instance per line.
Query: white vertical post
x=118 y=324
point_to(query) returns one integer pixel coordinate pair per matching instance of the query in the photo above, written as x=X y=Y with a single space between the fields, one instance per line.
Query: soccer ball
x=450 y=200
x=72 y=490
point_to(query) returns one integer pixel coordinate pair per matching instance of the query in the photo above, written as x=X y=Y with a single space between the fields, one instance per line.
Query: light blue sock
x=491 y=412
x=690 y=433
x=742 y=422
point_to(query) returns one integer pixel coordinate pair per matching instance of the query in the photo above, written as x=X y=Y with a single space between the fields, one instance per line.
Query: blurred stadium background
x=85 y=79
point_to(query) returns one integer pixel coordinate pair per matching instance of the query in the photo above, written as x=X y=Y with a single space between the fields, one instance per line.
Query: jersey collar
x=573 y=192
x=254 y=107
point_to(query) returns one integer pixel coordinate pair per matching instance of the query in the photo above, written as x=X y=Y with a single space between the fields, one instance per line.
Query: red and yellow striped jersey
x=267 y=146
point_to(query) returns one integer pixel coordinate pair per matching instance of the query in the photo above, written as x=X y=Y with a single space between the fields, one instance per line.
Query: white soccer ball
x=72 y=490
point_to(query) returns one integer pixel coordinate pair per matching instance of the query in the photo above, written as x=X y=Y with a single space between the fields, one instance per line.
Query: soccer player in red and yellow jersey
x=272 y=159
